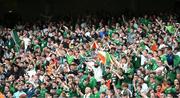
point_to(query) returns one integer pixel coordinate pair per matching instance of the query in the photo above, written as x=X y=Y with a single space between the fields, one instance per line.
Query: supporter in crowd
x=91 y=57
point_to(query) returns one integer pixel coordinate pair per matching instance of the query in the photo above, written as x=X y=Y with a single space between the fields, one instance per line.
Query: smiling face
x=155 y=54
x=159 y=53
x=145 y=53
x=88 y=90
x=158 y=88
x=176 y=82
x=124 y=60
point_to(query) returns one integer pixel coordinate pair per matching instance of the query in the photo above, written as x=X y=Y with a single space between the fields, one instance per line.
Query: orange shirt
x=164 y=86
x=50 y=69
x=108 y=83
x=158 y=94
x=154 y=47
x=1 y=95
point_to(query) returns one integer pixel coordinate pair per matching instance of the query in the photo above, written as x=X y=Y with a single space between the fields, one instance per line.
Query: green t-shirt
x=176 y=60
x=110 y=32
x=43 y=92
x=69 y=59
x=154 y=64
x=117 y=42
x=81 y=83
x=43 y=44
x=171 y=75
x=163 y=58
x=142 y=45
x=59 y=91
x=117 y=55
x=37 y=46
x=88 y=53
x=170 y=90
x=159 y=79
x=145 y=21
x=44 y=64
x=12 y=88
x=107 y=76
x=39 y=38
x=65 y=34
x=153 y=85
x=97 y=95
x=138 y=95
x=92 y=82
x=148 y=67
x=103 y=88
x=128 y=75
x=135 y=26
x=1 y=88
x=118 y=83
x=82 y=59
x=170 y=29
x=73 y=94
x=136 y=61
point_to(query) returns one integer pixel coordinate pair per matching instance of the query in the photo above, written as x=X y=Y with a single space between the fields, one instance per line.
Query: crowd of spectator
x=63 y=59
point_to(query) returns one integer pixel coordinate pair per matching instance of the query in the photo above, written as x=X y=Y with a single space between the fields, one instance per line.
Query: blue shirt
x=101 y=34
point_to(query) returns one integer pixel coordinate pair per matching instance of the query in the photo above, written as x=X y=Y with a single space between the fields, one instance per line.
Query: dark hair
x=91 y=73
x=124 y=85
x=124 y=57
x=169 y=48
x=177 y=49
x=103 y=93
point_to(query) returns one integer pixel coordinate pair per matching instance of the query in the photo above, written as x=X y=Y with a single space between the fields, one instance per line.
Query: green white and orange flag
x=16 y=39
x=104 y=57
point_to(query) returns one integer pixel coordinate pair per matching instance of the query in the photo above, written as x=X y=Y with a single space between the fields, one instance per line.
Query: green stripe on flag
x=108 y=58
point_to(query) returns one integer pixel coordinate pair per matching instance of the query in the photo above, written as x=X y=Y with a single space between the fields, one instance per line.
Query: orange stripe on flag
x=102 y=57
x=94 y=45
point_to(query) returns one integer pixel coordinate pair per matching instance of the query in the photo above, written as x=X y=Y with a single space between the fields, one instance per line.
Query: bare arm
x=79 y=91
x=160 y=23
x=115 y=89
x=120 y=77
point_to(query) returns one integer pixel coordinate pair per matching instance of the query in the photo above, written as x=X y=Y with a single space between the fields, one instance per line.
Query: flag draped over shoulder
x=16 y=39
x=104 y=57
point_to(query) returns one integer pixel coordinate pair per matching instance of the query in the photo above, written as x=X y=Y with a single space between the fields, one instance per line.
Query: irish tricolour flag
x=104 y=57
x=16 y=39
